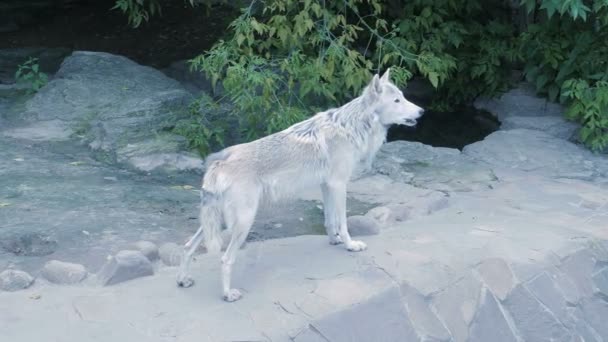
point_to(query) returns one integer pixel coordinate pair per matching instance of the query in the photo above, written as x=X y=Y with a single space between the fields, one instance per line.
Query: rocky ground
x=506 y=240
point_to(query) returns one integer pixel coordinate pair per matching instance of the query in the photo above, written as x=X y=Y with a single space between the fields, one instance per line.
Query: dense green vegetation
x=283 y=59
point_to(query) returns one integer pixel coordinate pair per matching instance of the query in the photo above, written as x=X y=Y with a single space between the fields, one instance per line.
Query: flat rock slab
x=436 y=273
x=52 y=130
x=556 y=126
x=520 y=101
x=537 y=152
x=433 y=168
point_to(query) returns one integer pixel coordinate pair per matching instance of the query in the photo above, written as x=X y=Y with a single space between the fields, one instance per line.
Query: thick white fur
x=321 y=151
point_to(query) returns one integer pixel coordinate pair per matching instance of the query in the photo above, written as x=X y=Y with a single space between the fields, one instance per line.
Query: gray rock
x=125 y=265
x=359 y=225
x=29 y=244
x=558 y=127
x=113 y=104
x=497 y=275
x=14 y=280
x=160 y=152
x=59 y=272
x=595 y=312
x=537 y=152
x=53 y=130
x=534 y=321
x=579 y=268
x=489 y=323
x=456 y=306
x=170 y=254
x=168 y=162
x=424 y=321
x=600 y=279
x=391 y=214
x=581 y=329
x=148 y=249
x=520 y=101
x=435 y=168
x=379 y=318
x=544 y=288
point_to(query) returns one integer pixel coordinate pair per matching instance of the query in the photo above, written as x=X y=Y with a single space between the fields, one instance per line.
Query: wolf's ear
x=385 y=77
x=373 y=89
x=376 y=85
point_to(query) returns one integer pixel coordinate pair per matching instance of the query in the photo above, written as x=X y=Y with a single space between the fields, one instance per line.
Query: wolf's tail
x=211 y=220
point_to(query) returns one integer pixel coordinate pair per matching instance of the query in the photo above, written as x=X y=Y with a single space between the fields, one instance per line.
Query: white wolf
x=320 y=151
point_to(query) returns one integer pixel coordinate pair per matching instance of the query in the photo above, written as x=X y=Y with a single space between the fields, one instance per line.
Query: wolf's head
x=389 y=104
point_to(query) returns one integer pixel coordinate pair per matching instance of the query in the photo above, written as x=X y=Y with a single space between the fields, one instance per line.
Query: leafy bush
x=138 y=11
x=282 y=60
x=29 y=73
x=566 y=57
x=196 y=127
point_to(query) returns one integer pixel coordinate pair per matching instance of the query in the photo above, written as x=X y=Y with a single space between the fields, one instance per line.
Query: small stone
x=13 y=280
x=59 y=272
x=390 y=214
x=381 y=214
x=126 y=265
x=359 y=225
x=170 y=253
x=149 y=249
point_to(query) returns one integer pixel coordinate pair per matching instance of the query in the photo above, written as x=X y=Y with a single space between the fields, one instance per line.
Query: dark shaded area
x=448 y=129
x=182 y=32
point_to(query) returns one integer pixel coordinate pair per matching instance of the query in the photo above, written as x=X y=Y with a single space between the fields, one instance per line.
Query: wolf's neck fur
x=359 y=120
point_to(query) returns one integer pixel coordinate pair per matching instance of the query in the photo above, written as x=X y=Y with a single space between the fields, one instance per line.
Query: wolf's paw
x=185 y=281
x=356 y=246
x=232 y=295
x=335 y=240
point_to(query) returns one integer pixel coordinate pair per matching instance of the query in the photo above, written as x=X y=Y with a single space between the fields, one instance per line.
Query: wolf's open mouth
x=409 y=122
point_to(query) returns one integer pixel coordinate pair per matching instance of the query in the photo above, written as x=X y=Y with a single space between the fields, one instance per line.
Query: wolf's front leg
x=329 y=211
x=337 y=193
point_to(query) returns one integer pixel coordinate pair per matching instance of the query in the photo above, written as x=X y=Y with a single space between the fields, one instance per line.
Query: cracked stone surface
x=505 y=241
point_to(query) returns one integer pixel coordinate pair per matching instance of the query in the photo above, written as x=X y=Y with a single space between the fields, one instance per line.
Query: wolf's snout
x=420 y=112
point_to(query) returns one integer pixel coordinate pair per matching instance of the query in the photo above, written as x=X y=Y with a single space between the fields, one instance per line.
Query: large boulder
x=522 y=108
x=436 y=168
x=519 y=101
x=123 y=110
x=537 y=152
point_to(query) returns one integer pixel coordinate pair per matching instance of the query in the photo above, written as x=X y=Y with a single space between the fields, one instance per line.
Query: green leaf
x=433 y=78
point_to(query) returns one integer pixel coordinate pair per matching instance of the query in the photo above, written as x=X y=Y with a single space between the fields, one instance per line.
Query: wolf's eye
x=397 y=100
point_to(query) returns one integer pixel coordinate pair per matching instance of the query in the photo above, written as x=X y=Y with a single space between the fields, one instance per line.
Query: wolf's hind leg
x=183 y=279
x=242 y=217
